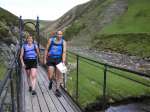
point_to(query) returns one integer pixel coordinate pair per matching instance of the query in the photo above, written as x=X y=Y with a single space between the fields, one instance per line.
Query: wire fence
x=91 y=82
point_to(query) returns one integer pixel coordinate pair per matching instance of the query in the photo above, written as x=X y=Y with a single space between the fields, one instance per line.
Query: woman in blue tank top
x=28 y=57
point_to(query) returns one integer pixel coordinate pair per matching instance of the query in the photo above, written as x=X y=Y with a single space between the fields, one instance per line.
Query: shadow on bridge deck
x=45 y=100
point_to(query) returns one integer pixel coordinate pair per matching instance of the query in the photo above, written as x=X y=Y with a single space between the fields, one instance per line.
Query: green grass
x=2 y=71
x=8 y=18
x=135 y=20
x=129 y=34
x=91 y=83
x=133 y=44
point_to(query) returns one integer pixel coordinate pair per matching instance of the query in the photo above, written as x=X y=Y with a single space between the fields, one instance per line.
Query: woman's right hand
x=44 y=61
x=23 y=65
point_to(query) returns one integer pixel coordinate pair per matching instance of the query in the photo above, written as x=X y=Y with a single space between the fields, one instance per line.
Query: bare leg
x=28 y=72
x=59 y=78
x=33 y=77
x=50 y=72
x=58 y=82
x=50 y=75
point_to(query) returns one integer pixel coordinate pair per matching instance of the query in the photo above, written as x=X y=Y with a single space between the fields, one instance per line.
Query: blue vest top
x=30 y=51
x=55 y=49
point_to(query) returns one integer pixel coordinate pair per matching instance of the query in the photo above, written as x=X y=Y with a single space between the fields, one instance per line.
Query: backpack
x=54 y=44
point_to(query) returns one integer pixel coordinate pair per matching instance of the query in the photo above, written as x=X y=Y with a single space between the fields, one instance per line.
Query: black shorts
x=53 y=61
x=30 y=63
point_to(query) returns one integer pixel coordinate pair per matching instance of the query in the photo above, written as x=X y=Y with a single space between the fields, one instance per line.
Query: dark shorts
x=53 y=61
x=30 y=63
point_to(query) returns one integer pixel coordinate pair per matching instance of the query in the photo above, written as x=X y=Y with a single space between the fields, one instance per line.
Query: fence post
x=104 y=86
x=12 y=92
x=17 y=84
x=77 y=81
x=37 y=31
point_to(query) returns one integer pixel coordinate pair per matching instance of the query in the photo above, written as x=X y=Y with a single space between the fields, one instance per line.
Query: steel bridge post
x=37 y=30
x=77 y=80
x=104 y=86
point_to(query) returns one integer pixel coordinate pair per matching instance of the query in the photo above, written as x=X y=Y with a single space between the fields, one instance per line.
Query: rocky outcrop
x=6 y=53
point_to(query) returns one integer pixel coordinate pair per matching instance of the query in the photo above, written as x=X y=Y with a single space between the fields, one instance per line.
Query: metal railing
x=9 y=88
x=90 y=81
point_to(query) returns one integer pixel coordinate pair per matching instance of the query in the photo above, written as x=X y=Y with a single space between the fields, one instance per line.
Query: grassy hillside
x=128 y=34
x=8 y=18
x=135 y=20
x=7 y=21
x=132 y=43
x=104 y=27
x=98 y=14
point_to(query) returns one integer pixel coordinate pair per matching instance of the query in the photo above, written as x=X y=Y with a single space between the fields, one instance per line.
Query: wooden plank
x=65 y=104
x=35 y=104
x=28 y=104
x=22 y=107
x=65 y=101
x=48 y=99
x=71 y=102
x=41 y=99
x=59 y=106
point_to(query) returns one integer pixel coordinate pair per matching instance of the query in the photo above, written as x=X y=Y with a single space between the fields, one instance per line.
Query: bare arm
x=64 y=51
x=21 y=56
x=46 y=50
x=38 y=52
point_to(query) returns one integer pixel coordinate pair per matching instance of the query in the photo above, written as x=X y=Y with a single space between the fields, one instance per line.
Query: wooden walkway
x=45 y=100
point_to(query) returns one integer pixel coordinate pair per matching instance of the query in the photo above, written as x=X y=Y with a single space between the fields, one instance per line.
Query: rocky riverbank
x=120 y=60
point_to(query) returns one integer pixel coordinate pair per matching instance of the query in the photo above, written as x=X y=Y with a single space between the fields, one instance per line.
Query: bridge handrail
x=111 y=66
x=106 y=69
x=8 y=81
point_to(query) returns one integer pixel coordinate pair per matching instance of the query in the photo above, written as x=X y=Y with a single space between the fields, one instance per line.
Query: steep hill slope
x=99 y=14
x=130 y=33
x=134 y=20
x=66 y=19
x=8 y=34
x=8 y=22
x=108 y=25
x=83 y=21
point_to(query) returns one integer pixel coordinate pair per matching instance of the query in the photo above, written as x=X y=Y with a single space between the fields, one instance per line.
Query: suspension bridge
x=72 y=100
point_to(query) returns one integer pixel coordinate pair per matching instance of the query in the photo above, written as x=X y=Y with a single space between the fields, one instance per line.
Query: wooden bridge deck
x=45 y=100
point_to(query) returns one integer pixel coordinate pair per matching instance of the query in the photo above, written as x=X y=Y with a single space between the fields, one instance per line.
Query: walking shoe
x=30 y=88
x=33 y=92
x=50 y=85
x=58 y=93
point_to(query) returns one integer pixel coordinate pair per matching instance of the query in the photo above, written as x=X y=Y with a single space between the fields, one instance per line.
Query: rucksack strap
x=53 y=43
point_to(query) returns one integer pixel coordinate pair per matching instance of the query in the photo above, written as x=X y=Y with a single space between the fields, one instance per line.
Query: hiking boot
x=58 y=93
x=33 y=92
x=50 y=85
x=30 y=88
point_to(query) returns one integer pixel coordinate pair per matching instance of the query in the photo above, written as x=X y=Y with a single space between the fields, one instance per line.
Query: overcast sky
x=45 y=9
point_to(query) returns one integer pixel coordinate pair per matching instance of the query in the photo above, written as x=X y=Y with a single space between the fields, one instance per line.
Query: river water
x=143 y=106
